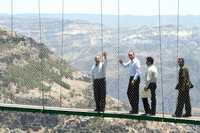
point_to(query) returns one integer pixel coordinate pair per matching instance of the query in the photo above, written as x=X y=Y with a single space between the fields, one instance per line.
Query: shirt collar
x=132 y=61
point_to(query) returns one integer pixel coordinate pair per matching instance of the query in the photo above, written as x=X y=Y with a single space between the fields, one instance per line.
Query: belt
x=133 y=76
x=100 y=79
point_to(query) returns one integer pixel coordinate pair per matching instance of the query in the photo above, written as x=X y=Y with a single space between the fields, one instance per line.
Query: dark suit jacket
x=183 y=79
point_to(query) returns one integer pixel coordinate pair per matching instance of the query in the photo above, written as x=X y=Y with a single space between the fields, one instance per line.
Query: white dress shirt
x=133 y=67
x=151 y=75
x=99 y=71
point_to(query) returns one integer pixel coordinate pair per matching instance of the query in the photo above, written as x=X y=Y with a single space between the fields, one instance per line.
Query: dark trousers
x=133 y=94
x=183 y=99
x=147 y=109
x=99 y=86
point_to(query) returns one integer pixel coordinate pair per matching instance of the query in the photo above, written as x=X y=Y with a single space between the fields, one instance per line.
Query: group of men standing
x=149 y=90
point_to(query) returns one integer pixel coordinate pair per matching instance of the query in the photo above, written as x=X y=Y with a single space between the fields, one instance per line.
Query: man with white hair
x=99 y=81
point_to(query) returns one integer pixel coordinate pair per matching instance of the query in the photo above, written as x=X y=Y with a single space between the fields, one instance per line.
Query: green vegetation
x=27 y=65
x=31 y=75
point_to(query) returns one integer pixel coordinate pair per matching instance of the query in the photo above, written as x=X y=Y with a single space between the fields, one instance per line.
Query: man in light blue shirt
x=134 y=81
x=99 y=82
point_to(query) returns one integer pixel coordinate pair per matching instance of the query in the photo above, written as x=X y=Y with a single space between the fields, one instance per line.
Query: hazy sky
x=128 y=7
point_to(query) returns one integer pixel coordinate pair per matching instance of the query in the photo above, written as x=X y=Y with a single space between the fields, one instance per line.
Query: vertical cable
x=62 y=47
x=101 y=27
x=161 y=65
x=11 y=16
x=101 y=30
x=118 y=41
x=177 y=42
x=11 y=25
x=40 y=40
x=177 y=39
x=39 y=20
x=177 y=36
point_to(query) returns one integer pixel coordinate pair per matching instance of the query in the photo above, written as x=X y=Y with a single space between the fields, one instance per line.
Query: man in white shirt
x=150 y=83
x=99 y=82
x=134 y=81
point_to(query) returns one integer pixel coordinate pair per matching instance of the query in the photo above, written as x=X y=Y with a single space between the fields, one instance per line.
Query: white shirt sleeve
x=148 y=78
x=151 y=76
x=137 y=70
x=92 y=73
x=126 y=64
x=105 y=62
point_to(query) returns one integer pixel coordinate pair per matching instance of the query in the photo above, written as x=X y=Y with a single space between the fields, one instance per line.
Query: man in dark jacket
x=183 y=88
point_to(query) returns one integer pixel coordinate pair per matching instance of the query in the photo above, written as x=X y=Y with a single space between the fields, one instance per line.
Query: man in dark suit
x=183 y=88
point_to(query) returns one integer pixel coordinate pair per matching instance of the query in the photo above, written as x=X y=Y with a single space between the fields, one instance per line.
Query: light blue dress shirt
x=99 y=71
x=133 y=67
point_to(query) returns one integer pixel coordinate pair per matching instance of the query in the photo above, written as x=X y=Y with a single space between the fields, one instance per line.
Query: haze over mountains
x=111 y=20
x=130 y=20
x=140 y=33
x=28 y=68
x=81 y=42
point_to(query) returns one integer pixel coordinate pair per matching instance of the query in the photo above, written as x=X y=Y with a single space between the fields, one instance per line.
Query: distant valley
x=82 y=42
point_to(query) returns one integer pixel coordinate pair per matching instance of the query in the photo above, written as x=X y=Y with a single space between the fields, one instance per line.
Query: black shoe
x=145 y=114
x=102 y=110
x=153 y=114
x=187 y=115
x=174 y=115
x=133 y=112
x=97 y=110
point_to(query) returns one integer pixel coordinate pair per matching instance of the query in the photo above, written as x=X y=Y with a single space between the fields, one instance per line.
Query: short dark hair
x=150 y=60
x=130 y=51
x=181 y=60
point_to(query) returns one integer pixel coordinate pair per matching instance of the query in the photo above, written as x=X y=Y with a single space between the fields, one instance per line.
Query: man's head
x=97 y=59
x=149 y=61
x=180 y=62
x=131 y=55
